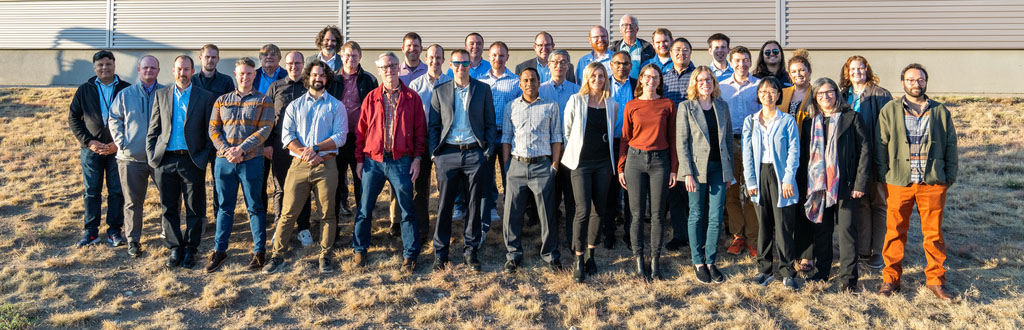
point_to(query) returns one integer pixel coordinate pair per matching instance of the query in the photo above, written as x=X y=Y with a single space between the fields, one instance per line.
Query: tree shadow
x=70 y=70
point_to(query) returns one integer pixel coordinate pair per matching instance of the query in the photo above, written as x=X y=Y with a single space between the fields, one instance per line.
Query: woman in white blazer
x=588 y=125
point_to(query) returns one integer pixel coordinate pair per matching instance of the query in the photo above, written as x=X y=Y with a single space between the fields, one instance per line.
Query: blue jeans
x=96 y=168
x=375 y=174
x=705 y=223
x=227 y=176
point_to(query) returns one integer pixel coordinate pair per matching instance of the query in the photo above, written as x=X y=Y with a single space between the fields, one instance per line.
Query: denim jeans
x=647 y=174
x=96 y=168
x=705 y=223
x=228 y=176
x=396 y=172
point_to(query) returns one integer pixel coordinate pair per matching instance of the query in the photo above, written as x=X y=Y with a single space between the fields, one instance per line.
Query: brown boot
x=941 y=292
x=259 y=259
x=888 y=289
x=360 y=259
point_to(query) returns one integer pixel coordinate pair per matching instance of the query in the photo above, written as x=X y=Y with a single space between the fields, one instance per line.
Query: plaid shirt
x=918 y=124
x=504 y=89
x=390 y=101
x=244 y=121
x=676 y=83
x=531 y=128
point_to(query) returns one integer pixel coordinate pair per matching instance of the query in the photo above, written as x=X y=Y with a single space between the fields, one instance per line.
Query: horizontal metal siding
x=53 y=24
x=382 y=23
x=905 y=24
x=189 y=24
x=746 y=22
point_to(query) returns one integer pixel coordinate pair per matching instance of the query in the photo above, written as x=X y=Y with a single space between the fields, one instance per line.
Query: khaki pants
x=741 y=213
x=302 y=181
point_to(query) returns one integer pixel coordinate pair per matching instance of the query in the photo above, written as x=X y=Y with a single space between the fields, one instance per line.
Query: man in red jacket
x=391 y=136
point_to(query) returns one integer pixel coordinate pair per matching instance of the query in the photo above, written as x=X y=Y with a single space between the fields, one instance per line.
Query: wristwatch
x=316 y=148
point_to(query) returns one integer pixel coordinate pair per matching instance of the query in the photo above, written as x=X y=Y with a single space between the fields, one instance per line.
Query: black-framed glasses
x=770 y=52
x=830 y=92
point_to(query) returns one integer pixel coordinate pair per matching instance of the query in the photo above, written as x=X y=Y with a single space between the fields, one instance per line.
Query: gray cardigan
x=129 y=121
x=692 y=144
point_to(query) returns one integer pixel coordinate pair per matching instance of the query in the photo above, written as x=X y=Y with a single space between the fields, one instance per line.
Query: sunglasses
x=770 y=52
x=460 y=63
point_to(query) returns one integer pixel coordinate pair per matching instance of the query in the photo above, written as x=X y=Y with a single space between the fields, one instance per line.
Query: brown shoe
x=360 y=259
x=216 y=260
x=888 y=289
x=258 y=260
x=409 y=265
x=941 y=292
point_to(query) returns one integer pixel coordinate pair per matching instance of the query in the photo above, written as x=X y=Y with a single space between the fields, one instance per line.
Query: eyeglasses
x=649 y=77
x=629 y=25
x=621 y=63
x=918 y=81
x=460 y=63
x=770 y=52
x=826 y=93
x=545 y=45
x=768 y=92
x=387 y=67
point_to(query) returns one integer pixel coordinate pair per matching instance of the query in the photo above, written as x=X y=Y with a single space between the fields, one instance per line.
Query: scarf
x=822 y=168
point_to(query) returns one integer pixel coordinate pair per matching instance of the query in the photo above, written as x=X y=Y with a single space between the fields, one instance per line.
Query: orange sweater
x=649 y=125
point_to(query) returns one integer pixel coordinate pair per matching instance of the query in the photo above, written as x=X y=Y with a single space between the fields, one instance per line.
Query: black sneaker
x=702 y=273
x=511 y=266
x=326 y=266
x=763 y=279
x=791 y=282
x=115 y=239
x=133 y=249
x=716 y=275
x=473 y=261
x=275 y=265
x=88 y=239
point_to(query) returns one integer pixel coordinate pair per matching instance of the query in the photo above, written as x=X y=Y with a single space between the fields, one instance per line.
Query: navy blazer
x=197 y=122
x=481 y=115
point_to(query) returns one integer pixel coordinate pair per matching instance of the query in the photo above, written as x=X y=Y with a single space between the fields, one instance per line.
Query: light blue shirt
x=477 y=72
x=742 y=100
x=605 y=59
x=425 y=88
x=658 y=62
x=177 y=141
x=504 y=89
x=723 y=74
x=266 y=80
x=310 y=121
x=558 y=93
x=634 y=56
x=543 y=71
x=461 y=132
x=106 y=96
x=621 y=93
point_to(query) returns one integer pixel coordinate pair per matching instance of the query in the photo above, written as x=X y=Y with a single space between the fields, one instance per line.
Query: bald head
x=149 y=68
x=293 y=63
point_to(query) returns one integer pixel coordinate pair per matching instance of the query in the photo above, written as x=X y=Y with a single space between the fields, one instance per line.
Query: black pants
x=178 y=176
x=842 y=216
x=279 y=166
x=564 y=196
x=679 y=211
x=776 y=224
x=421 y=197
x=647 y=173
x=590 y=191
x=459 y=171
x=347 y=162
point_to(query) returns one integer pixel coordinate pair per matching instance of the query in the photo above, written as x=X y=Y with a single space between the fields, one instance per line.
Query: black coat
x=86 y=116
x=853 y=154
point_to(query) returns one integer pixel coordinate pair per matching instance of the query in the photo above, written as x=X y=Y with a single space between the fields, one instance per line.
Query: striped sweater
x=241 y=120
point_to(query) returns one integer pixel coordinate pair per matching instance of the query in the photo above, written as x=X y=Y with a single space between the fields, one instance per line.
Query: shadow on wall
x=75 y=66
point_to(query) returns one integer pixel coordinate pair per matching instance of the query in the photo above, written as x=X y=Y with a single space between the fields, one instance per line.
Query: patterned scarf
x=822 y=169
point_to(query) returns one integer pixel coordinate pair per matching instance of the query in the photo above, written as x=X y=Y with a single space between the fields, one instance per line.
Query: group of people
x=634 y=133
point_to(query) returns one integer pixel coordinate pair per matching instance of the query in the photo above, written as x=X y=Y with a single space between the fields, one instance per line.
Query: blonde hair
x=691 y=91
x=587 y=73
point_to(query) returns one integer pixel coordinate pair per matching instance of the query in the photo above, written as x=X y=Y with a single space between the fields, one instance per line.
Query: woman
x=837 y=175
x=647 y=163
x=771 y=155
x=861 y=91
x=704 y=151
x=589 y=128
x=794 y=100
x=771 y=62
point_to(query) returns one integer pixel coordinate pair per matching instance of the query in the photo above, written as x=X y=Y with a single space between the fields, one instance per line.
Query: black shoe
x=344 y=210
x=578 y=272
x=216 y=260
x=716 y=275
x=790 y=282
x=440 y=263
x=609 y=241
x=409 y=265
x=396 y=229
x=115 y=239
x=763 y=279
x=703 y=274
x=472 y=261
x=189 y=259
x=511 y=266
x=174 y=258
x=656 y=268
x=134 y=249
x=274 y=265
x=625 y=239
x=849 y=287
x=676 y=244
x=641 y=268
x=590 y=266
x=555 y=265
x=326 y=266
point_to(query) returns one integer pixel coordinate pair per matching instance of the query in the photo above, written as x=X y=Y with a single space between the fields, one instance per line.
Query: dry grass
x=46 y=283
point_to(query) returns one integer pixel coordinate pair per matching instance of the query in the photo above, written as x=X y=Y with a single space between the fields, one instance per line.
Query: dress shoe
x=259 y=259
x=174 y=258
x=216 y=260
x=590 y=266
x=472 y=261
x=188 y=260
x=888 y=289
x=440 y=263
x=578 y=272
x=641 y=268
x=359 y=259
x=656 y=268
x=555 y=265
x=511 y=266
x=409 y=265
x=941 y=292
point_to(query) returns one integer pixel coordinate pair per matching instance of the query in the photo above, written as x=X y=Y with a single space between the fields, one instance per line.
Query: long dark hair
x=761 y=67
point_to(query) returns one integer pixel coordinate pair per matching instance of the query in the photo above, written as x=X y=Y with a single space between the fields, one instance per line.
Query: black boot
x=590 y=266
x=577 y=274
x=656 y=267
x=641 y=267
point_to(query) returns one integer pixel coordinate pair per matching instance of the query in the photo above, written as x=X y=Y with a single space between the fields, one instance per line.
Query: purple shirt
x=350 y=99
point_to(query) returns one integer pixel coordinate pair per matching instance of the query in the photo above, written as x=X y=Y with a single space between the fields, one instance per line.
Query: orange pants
x=931 y=199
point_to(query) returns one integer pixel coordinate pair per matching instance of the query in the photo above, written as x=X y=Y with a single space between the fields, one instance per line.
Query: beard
x=914 y=91
x=317 y=86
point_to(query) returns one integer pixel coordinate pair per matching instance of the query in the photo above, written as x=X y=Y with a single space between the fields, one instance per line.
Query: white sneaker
x=495 y=217
x=458 y=215
x=305 y=238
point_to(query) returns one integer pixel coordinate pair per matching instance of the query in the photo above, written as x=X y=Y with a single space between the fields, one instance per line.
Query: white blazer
x=574 y=121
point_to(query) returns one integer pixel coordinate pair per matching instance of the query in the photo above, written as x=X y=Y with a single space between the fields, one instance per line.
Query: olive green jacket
x=892 y=150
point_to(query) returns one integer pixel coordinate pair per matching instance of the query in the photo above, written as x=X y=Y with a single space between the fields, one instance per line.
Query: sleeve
x=288 y=131
x=490 y=123
x=882 y=136
x=684 y=155
x=862 y=140
x=275 y=132
x=434 y=122
x=673 y=159
x=76 y=118
x=749 y=172
x=419 y=142
x=627 y=133
x=365 y=112
x=569 y=116
x=115 y=122
x=508 y=131
x=155 y=127
x=216 y=127
x=730 y=149
x=264 y=124
x=556 y=125
x=340 y=125
x=952 y=156
x=793 y=155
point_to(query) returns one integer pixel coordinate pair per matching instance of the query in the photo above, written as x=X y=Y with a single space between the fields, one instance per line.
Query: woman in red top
x=647 y=162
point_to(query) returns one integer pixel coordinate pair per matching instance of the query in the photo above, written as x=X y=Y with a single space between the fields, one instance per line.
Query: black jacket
x=365 y=84
x=853 y=154
x=86 y=115
x=219 y=85
x=532 y=63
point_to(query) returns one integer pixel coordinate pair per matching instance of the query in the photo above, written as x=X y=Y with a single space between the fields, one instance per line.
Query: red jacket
x=410 y=126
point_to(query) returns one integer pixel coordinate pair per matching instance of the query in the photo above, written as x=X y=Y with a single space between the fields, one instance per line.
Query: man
x=718 y=47
x=208 y=77
x=622 y=87
x=178 y=148
x=412 y=68
x=314 y=125
x=504 y=88
x=661 y=41
x=283 y=92
x=740 y=92
x=676 y=79
x=239 y=125
x=543 y=45
x=599 y=51
x=270 y=69
x=559 y=90
x=463 y=132
x=390 y=139
x=350 y=87
x=328 y=41
x=640 y=51
x=90 y=109
x=478 y=65
x=532 y=146
x=916 y=154
x=129 y=122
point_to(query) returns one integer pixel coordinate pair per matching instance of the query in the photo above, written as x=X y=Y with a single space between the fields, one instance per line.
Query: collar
x=688 y=68
x=414 y=68
x=149 y=89
x=616 y=81
x=309 y=97
x=504 y=74
x=593 y=54
x=183 y=92
x=111 y=84
x=272 y=75
x=240 y=95
x=322 y=59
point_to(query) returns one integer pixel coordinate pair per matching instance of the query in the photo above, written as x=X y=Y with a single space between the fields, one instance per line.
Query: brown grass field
x=47 y=283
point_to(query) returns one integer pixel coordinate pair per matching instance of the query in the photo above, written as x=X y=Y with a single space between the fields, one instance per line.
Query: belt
x=388 y=155
x=531 y=160
x=182 y=152
x=325 y=158
x=463 y=147
x=737 y=136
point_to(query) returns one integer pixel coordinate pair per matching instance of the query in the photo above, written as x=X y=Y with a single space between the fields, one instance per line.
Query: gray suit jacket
x=693 y=145
x=481 y=115
x=197 y=121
